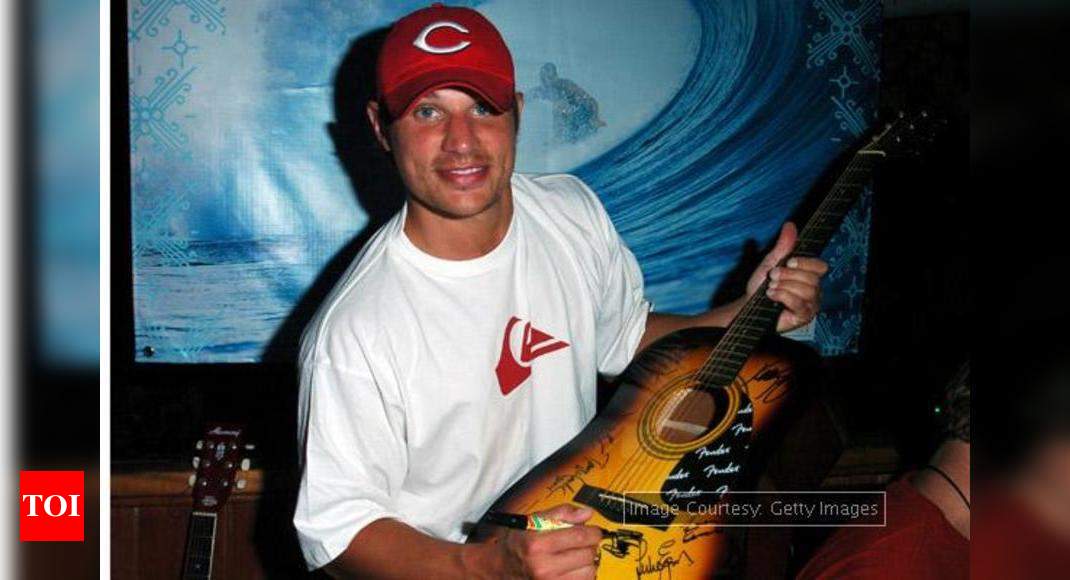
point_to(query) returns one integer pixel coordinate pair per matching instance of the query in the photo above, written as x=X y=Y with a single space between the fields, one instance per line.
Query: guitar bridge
x=619 y=509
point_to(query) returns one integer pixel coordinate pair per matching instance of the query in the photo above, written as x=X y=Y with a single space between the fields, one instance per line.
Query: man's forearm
x=388 y=548
x=658 y=325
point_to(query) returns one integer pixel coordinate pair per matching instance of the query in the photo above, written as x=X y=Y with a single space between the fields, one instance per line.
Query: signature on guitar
x=564 y=483
x=664 y=564
x=779 y=387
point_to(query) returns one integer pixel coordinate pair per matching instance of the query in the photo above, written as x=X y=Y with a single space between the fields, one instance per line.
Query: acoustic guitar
x=692 y=417
x=218 y=459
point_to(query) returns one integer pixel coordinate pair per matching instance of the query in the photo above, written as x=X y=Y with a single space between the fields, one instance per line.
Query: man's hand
x=567 y=553
x=796 y=285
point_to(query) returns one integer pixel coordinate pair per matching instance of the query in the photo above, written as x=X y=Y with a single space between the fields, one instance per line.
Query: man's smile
x=464 y=176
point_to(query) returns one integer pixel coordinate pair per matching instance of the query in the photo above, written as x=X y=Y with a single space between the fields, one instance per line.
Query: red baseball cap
x=442 y=46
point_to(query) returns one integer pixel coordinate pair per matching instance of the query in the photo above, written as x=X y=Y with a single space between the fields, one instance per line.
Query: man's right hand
x=566 y=553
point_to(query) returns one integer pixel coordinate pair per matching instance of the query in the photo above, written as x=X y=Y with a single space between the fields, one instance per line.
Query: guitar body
x=669 y=432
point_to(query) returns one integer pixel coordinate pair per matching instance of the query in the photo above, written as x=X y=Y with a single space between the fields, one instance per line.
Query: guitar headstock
x=219 y=457
x=906 y=135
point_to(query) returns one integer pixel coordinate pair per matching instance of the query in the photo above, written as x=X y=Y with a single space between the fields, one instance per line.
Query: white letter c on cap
x=421 y=40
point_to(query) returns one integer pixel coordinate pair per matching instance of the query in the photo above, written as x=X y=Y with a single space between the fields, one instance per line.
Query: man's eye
x=481 y=110
x=425 y=112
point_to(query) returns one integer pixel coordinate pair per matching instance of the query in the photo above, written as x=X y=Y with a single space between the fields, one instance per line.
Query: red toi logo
x=534 y=344
x=52 y=506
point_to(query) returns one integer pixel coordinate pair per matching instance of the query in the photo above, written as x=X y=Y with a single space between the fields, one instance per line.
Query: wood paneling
x=254 y=536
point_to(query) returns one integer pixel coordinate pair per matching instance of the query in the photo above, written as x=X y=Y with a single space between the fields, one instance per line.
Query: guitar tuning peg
x=192 y=479
x=249 y=446
x=196 y=462
x=245 y=464
x=200 y=444
x=241 y=484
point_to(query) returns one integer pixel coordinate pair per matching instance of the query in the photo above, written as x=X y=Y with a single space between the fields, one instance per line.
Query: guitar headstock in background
x=219 y=457
x=908 y=135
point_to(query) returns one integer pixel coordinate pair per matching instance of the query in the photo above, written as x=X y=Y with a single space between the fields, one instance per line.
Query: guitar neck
x=827 y=218
x=200 y=546
x=759 y=315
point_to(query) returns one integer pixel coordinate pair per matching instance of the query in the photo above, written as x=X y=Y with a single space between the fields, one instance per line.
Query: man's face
x=454 y=155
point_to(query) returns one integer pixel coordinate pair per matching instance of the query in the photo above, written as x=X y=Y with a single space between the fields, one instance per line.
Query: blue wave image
x=740 y=137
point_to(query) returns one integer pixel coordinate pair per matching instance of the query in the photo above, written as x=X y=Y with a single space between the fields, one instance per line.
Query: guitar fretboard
x=759 y=315
x=200 y=545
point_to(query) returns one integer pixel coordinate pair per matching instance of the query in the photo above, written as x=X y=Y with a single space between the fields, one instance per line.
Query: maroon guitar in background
x=218 y=459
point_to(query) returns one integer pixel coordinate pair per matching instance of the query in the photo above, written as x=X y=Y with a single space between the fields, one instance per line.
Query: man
x=463 y=345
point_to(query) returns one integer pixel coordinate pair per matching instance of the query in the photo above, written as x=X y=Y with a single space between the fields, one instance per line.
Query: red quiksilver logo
x=534 y=343
x=52 y=506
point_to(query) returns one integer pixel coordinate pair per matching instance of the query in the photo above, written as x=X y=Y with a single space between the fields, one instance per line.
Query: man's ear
x=518 y=108
x=372 y=110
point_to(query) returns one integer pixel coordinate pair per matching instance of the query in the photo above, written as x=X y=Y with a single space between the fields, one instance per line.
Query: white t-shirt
x=429 y=386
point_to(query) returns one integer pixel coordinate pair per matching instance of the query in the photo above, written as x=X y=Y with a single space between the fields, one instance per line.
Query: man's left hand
x=796 y=284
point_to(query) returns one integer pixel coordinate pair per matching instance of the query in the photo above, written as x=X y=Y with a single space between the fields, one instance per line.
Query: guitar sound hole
x=689 y=416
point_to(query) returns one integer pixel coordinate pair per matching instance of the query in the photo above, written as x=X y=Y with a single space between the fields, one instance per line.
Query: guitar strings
x=642 y=468
x=637 y=470
x=634 y=470
x=734 y=336
x=740 y=333
x=724 y=349
x=623 y=473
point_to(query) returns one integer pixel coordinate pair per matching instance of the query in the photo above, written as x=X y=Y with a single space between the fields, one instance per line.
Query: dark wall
x=919 y=304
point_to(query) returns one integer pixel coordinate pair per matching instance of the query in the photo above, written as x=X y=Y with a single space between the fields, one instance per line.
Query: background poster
x=701 y=124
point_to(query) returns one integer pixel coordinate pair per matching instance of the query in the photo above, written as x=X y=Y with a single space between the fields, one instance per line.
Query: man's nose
x=460 y=135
